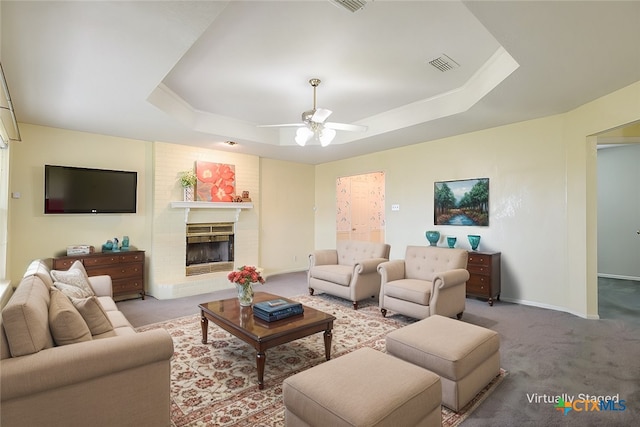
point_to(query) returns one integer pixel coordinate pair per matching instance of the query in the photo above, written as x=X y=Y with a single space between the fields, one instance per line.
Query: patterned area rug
x=216 y=384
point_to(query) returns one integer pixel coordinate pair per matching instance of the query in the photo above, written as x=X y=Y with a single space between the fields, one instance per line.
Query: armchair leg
x=310 y=291
x=384 y=312
x=459 y=315
x=355 y=305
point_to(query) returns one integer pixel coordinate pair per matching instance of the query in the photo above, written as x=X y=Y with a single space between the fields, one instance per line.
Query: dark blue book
x=276 y=310
x=279 y=315
x=275 y=305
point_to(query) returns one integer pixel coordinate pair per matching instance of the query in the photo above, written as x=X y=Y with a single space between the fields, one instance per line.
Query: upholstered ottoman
x=466 y=357
x=363 y=388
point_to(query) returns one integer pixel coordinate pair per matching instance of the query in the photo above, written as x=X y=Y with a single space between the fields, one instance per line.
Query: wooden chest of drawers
x=125 y=268
x=484 y=275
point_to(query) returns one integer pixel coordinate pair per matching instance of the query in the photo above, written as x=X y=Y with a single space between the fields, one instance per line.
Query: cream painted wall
x=524 y=164
x=287 y=215
x=156 y=228
x=32 y=234
x=542 y=198
x=611 y=111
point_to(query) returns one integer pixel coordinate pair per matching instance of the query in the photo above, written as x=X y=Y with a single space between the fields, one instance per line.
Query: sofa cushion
x=412 y=290
x=93 y=314
x=76 y=276
x=118 y=320
x=25 y=318
x=107 y=303
x=340 y=274
x=40 y=269
x=66 y=323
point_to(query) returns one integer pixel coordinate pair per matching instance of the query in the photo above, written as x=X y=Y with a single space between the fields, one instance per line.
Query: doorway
x=618 y=248
x=360 y=207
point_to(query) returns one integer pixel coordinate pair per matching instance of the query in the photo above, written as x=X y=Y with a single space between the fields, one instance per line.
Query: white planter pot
x=188 y=194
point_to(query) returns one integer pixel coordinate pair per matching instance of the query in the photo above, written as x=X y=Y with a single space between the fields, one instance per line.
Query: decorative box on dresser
x=484 y=275
x=126 y=269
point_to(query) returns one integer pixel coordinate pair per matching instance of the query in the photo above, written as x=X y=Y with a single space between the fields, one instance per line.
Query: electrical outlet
x=295 y=258
x=395 y=207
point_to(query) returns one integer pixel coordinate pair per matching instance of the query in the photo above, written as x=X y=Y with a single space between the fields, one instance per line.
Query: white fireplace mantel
x=187 y=206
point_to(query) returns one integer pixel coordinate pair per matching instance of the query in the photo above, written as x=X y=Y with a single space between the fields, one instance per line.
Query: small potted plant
x=188 y=181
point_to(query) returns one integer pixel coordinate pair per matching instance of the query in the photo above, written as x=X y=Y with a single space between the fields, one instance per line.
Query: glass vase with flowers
x=244 y=278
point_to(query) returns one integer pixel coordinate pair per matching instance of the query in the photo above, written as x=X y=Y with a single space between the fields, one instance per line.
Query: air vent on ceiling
x=350 y=5
x=444 y=63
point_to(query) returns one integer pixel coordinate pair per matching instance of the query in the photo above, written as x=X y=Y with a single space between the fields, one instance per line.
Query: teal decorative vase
x=432 y=237
x=474 y=240
x=451 y=241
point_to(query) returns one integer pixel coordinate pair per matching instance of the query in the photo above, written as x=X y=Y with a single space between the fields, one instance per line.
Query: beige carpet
x=216 y=384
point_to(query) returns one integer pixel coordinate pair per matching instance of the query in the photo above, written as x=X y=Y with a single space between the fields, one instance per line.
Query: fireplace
x=209 y=248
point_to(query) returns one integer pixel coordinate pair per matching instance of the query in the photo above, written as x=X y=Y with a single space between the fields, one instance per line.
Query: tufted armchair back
x=352 y=251
x=422 y=262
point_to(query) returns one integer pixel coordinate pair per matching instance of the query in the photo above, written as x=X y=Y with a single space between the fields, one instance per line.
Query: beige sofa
x=429 y=280
x=115 y=378
x=349 y=271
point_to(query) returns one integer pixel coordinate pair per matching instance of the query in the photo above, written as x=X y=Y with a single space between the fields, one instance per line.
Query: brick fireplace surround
x=167 y=276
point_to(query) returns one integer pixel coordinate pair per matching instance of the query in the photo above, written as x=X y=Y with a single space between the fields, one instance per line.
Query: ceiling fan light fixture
x=326 y=135
x=303 y=135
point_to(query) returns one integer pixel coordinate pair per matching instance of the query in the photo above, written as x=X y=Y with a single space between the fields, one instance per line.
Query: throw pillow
x=66 y=324
x=76 y=276
x=93 y=314
x=78 y=265
x=71 y=291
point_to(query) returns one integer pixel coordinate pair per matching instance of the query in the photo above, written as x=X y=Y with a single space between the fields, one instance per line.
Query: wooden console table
x=126 y=269
x=484 y=275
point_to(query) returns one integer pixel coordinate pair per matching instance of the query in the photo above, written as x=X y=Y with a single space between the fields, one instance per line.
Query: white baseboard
x=268 y=273
x=549 y=307
x=617 y=276
x=202 y=284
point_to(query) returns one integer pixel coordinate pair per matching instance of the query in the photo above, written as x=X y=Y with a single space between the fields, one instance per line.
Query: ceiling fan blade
x=320 y=115
x=283 y=125
x=344 y=126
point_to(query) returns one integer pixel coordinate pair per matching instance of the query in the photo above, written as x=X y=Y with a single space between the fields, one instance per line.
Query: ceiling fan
x=313 y=124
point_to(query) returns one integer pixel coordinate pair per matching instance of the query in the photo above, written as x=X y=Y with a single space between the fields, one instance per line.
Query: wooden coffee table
x=240 y=322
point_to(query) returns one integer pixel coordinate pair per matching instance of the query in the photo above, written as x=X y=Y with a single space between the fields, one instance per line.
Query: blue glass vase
x=474 y=240
x=451 y=241
x=432 y=237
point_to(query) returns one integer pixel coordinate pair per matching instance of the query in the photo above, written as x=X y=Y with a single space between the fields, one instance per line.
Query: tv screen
x=71 y=190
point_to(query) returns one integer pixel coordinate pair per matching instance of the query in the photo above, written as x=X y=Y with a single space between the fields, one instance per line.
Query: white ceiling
x=204 y=72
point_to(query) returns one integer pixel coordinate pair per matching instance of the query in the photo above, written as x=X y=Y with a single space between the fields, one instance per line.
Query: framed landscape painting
x=463 y=202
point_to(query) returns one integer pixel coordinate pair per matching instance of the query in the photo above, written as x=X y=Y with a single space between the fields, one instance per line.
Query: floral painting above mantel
x=216 y=182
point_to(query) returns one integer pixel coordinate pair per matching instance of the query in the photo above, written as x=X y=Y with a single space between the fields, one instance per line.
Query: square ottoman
x=363 y=388
x=466 y=357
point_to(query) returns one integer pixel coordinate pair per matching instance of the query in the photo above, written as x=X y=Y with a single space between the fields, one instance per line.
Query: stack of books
x=276 y=309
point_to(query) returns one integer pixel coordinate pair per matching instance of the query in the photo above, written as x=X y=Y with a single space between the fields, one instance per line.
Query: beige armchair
x=349 y=271
x=430 y=280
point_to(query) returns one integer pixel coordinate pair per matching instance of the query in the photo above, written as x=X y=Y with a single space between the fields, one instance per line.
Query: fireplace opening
x=209 y=248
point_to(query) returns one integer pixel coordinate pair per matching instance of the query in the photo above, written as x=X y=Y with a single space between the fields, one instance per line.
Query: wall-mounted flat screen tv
x=72 y=190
